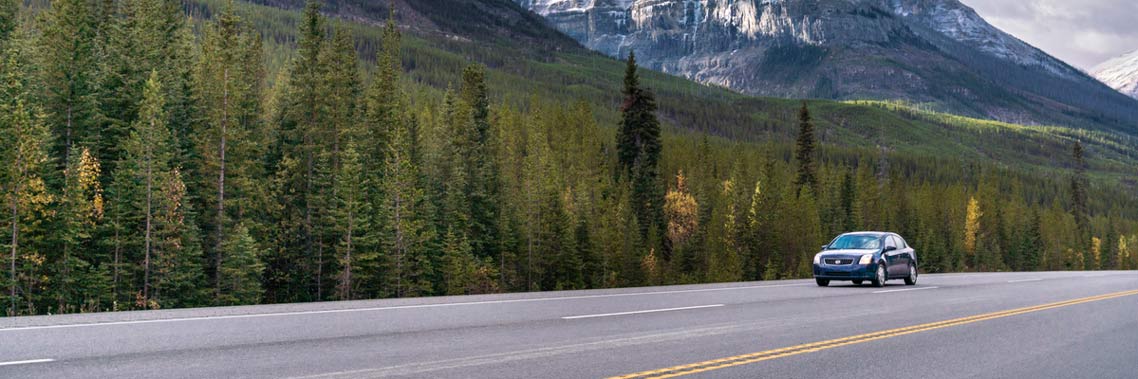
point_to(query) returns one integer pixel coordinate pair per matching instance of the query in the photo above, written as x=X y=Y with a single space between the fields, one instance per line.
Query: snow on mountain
x=937 y=52
x=1120 y=73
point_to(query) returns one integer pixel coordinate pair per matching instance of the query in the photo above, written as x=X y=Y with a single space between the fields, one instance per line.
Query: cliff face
x=934 y=52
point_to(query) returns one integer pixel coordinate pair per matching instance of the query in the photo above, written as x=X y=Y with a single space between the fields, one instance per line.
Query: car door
x=907 y=251
x=892 y=256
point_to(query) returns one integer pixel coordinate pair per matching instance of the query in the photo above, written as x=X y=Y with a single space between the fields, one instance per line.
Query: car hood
x=854 y=254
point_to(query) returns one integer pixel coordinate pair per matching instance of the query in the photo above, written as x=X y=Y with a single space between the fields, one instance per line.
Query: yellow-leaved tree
x=972 y=226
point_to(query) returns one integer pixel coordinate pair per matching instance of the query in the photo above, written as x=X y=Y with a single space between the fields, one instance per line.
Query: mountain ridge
x=1120 y=73
x=949 y=57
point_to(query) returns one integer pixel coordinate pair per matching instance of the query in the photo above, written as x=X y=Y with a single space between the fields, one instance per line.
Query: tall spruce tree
x=295 y=270
x=804 y=151
x=25 y=162
x=69 y=75
x=1079 y=207
x=231 y=76
x=149 y=155
x=638 y=149
x=482 y=168
x=82 y=279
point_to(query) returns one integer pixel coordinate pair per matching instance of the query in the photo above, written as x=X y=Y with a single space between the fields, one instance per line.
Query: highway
x=971 y=325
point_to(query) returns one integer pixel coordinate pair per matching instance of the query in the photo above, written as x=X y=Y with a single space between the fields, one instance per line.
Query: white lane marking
x=1025 y=280
x=907 y=289
x=377 y=309
x=13 y=363
x=640 y=312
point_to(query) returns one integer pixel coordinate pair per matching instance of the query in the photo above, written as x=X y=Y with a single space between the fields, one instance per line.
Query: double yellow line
x=739 y=360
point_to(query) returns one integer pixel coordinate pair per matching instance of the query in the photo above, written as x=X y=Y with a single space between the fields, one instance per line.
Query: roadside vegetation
x=252 y=155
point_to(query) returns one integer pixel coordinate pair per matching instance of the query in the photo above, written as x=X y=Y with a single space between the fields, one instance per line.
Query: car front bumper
x=845 y=272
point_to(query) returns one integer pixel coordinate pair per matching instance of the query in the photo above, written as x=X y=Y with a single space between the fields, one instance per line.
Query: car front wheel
x=879 y=277
x=912 y=279
x=822 y=282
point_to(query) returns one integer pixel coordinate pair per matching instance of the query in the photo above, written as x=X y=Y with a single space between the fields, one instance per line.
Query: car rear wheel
x=879 y=277
x=858 y=282
x=912 y=279
x=822 y=282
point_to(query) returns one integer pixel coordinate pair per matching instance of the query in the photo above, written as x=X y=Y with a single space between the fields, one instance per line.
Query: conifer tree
x=639 y=148
x=356 y=252
x=68 y=72
x=1079 y=208
x=296 y=270
x=82 y=279
x=241 y=271
x=230 y=74
x=481 y=166
x=408 y=230
x=24 y=158
x=178 y=278
x=149 y=152
x=804 y=151
x=9 y=11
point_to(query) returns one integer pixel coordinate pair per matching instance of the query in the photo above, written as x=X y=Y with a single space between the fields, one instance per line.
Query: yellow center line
x=738 y=360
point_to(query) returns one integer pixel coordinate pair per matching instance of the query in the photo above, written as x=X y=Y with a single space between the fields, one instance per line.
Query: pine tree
x=804 y=151
x=639 y=148
x=296 y=269
x=849 y=201
x=1079 y=207
x=82 y=279
x=24 y=158
x=178 y=278
x=356 y=252
x=9 y=13
x=408 y=230
x=241 y=271
x=68 y=72
x=149 y=152
x=1032 y=244
x=481 y=166
x=230 y=72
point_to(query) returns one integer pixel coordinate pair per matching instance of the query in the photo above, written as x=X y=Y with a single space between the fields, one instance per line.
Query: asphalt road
x=1013 y=325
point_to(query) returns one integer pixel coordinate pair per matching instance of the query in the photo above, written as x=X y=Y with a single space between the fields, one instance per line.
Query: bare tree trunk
x=221 y=183
x=149 y=205
x=346 y=281
x=15 y=247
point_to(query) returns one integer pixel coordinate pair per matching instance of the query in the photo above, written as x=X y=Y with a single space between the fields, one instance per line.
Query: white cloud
x=1084 y=33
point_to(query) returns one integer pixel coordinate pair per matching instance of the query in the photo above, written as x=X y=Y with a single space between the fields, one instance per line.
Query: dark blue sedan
x=866 y=256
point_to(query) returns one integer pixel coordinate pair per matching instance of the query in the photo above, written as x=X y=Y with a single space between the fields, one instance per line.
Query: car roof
x=876 y=234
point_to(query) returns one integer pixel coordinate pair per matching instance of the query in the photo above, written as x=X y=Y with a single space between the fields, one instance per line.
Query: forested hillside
x=250 y=154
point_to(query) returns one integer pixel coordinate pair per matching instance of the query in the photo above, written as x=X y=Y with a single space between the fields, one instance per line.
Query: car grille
x=838 y=261
x=835 y=273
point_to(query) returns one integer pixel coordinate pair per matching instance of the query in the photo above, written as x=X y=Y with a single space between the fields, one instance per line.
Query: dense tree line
x=148 y=164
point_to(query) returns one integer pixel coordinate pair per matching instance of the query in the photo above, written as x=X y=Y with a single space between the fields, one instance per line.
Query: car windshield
x=856 y=242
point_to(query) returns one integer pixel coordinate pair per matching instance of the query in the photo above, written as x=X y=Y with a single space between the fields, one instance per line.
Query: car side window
x=889 y=242
x=901 y=242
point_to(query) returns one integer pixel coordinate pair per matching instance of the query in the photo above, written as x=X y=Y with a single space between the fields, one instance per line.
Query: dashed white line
x=906 y=289
x=377 y=309
x=1025 y=280
x=641 y=312
x=30 y=361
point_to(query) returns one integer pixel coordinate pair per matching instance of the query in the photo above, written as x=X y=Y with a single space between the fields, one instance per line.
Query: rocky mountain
x=1120 y=73
x=936 y=53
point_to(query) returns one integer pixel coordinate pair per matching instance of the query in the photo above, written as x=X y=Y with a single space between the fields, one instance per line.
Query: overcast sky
x=1083 y=33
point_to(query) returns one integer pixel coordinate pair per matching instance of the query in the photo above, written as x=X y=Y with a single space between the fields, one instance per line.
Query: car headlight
x=817 y=258
x=865 y=259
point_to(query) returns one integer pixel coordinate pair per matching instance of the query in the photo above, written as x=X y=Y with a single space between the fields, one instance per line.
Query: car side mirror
x=890 y=248
x=824 y=247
